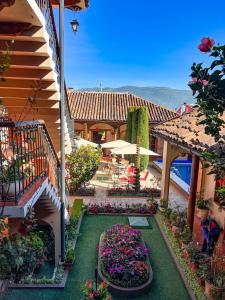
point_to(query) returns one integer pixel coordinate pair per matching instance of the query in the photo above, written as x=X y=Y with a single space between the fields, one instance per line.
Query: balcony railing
x=47 y=11
x=26 y=156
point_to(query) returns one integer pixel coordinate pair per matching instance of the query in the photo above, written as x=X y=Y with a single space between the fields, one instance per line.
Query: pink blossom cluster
x=123 y=255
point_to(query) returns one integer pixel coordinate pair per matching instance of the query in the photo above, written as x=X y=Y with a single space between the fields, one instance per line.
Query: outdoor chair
x=145 y=177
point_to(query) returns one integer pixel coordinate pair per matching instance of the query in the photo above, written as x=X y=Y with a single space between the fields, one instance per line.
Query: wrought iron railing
x=26 y=156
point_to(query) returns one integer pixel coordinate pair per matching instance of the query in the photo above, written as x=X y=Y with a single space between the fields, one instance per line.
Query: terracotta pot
x=185 y=253
x=201 y=282
x=175 y=230
x=68 y=266
x=210 y=289
x=203 y=213
x=6 y=220
x=193 y=266
x=162 y=209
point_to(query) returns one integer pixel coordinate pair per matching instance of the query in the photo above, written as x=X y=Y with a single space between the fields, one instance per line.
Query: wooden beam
x=18 y=82
x=31 y=46
x=27 y=38
x=28 y=92
x=40 y=103
x=31 y=73
x=36 y=113
x=50 y=120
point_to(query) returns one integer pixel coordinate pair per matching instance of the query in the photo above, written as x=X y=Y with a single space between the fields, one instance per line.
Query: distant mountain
x=168 y=97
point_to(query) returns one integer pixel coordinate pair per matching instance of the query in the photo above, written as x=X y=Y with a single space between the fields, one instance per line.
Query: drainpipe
x=62 y=136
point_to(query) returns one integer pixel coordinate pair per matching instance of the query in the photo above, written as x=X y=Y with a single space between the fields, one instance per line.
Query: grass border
x=189 y=278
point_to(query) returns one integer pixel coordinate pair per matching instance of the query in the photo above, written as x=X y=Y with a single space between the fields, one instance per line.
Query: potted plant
x=201 y=273
x=70 y=258
x=215 y=285
x=203 y=209
x=195 y=257
x=215 y=278
x=96 y=291
x=163 y=205
x=13 y=176
x=185 y=236
x=220 y=193
x=175 y=222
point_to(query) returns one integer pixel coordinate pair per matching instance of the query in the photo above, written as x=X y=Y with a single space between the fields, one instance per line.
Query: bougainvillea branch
x=208 y=85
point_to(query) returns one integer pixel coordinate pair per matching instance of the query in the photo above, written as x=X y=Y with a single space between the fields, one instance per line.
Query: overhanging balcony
x=29 y=166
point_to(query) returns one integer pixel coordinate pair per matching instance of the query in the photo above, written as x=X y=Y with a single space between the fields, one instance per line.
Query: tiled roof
x=108 y=106
x=186 y=130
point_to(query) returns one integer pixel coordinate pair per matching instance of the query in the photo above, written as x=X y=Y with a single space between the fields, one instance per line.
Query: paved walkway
x=153 y=180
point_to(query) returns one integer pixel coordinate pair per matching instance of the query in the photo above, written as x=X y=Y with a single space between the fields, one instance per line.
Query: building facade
x=102 y=116
x=30 y=132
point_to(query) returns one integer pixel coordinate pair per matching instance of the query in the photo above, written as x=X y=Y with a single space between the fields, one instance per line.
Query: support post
x=170 y=152
x=62 y=126
x=193 y=191
x=85 y=131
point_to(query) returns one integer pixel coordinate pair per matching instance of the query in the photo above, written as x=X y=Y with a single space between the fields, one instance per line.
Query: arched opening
x=101 y=132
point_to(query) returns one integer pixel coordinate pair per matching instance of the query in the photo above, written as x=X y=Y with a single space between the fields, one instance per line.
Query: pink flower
x=206 y=44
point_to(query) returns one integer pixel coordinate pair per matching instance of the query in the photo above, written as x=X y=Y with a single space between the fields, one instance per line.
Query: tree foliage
x=82 y=165
x=208 y=84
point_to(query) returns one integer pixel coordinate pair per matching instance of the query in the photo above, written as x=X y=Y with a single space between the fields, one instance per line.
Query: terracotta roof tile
x=108 y=106
x=187 y=131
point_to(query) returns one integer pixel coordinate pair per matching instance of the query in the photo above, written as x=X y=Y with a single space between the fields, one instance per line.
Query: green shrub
x=70 y=255
x=77 y=209
x=82 y=165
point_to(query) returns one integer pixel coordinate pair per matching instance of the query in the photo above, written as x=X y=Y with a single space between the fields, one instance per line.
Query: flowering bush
x=146 y=192
x=149 y=209
x=100 y=292
x=123 y=256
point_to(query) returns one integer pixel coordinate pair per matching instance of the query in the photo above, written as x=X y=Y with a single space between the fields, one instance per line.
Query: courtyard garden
x=166 y=284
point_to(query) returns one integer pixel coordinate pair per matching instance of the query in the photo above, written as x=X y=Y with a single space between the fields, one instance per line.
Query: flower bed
x=138 y=209
x=123 y=261
x=147 y=192
x=84 y=191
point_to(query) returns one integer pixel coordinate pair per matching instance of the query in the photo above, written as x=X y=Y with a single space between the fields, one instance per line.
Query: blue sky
x=143 y=43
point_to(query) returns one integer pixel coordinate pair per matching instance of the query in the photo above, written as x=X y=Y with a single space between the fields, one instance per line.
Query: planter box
x=9 y=188
x=122 y=292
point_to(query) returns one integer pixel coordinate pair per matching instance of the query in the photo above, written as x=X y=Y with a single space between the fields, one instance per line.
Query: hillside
x=168 y=97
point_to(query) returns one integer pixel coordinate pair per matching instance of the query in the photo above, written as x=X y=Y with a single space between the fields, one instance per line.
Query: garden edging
x=174 y=257
x=121 y=291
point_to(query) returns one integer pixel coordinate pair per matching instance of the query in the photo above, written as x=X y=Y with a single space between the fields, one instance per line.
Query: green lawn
x=166 y=285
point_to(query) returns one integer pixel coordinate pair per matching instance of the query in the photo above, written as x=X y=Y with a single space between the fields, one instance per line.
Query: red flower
x=90 y=296
x=206 y=44
x=88 y=284
x=104 y=284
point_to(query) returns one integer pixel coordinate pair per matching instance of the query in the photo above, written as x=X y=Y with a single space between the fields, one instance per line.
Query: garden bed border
x=60 y=285
x=130 y=292
x=120 y=214
x=174 y=257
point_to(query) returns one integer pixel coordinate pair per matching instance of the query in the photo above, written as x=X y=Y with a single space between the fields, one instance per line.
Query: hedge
x=76 y=209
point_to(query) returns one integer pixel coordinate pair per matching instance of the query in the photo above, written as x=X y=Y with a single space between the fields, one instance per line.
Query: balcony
x=31 y=88
x=29 y=166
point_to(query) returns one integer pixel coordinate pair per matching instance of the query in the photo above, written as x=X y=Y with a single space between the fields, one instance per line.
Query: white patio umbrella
x=115 y=144
x=83 y=142
x=132 y=149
